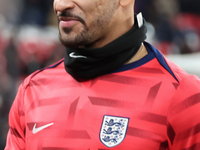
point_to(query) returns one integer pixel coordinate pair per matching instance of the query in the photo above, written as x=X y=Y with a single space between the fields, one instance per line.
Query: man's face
x=83 y=22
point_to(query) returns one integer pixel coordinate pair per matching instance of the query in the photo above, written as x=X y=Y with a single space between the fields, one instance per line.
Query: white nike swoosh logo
x=72 y=55
x=36 y=130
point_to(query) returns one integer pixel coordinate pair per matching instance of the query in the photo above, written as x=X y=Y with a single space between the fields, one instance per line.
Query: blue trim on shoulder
x=160 y=59
x=138 y=63
x=48 y=67
x=152 y=53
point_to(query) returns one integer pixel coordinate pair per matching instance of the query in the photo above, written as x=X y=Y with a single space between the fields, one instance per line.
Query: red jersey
x=150 y=104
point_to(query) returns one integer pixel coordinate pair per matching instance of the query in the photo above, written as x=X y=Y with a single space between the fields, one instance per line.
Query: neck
x=142 y=52
x=94 y=62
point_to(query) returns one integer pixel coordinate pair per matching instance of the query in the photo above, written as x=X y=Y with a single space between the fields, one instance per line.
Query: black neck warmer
x=87 y=63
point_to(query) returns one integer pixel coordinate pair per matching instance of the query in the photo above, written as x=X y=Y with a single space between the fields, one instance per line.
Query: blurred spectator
x=189 y=6
x=36 y=12
x=177 y=28
x=11 y=10
x=188 y=22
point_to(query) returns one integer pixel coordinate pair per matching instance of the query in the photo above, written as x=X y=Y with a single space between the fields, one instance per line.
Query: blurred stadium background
x=29 y=40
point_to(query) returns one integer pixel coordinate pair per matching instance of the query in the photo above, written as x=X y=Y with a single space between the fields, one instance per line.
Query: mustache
x=70 y=15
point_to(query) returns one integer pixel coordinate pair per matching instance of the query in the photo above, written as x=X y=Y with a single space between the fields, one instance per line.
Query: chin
x=73 y=39
x=71 y=43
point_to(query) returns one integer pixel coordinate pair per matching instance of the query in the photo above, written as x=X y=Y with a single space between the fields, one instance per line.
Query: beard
x=73 y=40
x=87 y=35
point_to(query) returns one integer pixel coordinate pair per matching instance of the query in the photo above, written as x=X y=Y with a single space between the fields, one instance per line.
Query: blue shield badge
x=113 y=130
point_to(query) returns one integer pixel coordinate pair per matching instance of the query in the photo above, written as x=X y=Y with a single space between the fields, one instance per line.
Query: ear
x=125 y=3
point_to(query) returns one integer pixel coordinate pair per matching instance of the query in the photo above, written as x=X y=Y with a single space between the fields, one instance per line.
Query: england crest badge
x=113 y=130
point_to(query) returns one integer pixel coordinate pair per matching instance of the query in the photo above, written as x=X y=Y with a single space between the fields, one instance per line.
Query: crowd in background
x=29 y=39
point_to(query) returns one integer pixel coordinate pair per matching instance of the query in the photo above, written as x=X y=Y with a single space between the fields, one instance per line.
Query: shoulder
x=187 y=86
x=183 y=77
x=44 y=73
x=187 y=95
x=183 y=115
x=179 y=74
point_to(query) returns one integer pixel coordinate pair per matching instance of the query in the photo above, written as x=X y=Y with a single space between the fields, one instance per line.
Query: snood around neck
x=87 y=63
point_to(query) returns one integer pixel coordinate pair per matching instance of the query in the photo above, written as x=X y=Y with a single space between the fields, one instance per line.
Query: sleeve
x=16 y=133
x=183 y=128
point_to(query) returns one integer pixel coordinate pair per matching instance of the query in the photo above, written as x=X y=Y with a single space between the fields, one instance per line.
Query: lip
x=66 y=22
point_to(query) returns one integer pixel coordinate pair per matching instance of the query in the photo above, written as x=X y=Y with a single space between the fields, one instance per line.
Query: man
x=112 y=90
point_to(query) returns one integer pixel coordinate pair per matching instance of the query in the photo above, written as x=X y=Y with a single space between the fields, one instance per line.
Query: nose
x=61 y=5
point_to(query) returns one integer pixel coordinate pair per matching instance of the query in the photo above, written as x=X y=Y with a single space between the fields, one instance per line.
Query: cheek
x=93 y=12
x=98 y=4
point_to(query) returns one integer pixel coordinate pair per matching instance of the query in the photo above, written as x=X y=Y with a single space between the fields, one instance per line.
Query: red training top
x=150 y=104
